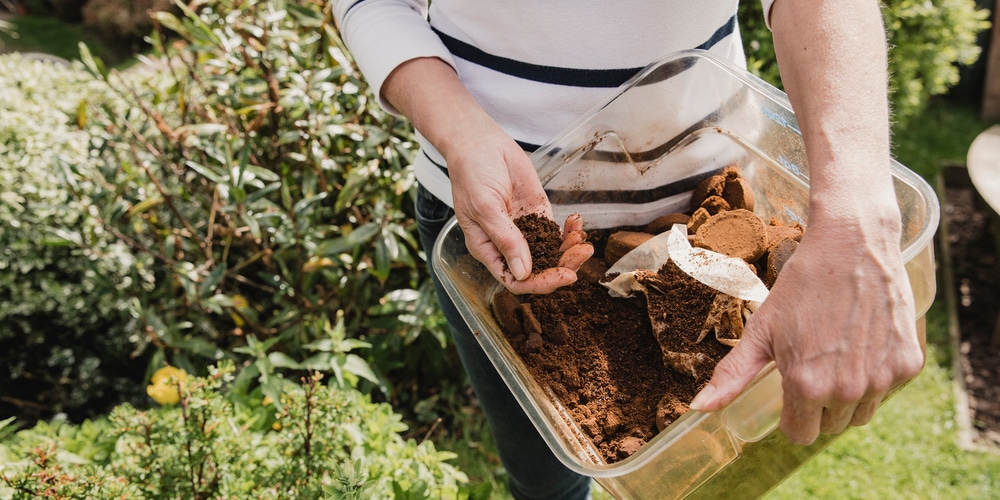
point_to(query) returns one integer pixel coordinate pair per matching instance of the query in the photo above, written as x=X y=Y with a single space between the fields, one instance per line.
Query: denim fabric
x=533 y=472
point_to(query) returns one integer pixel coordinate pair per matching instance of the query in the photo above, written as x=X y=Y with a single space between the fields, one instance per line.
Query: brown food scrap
x=737 y=190
x=629 y=445
x=715 y=205
x=698 y=218
x=507 y=311
x=712 y=186
x=736 y=233
x=621 y=243
x=665 y=222
x=777 y=231
x=592 y=270
x=776 y=259
x=695 y=364
x=531 y=323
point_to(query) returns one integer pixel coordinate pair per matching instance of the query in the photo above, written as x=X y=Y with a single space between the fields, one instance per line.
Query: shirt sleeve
x=382 y=34
x=766 y=4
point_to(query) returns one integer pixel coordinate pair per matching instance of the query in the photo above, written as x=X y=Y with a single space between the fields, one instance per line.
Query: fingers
x=801 y=420
x=572 y=238
x=574 y=222
x=576 y=255
x=836 y=419
x=864 y=413
x=544 y=282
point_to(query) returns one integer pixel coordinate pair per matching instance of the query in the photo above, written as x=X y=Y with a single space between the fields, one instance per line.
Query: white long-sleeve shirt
x=534 y=66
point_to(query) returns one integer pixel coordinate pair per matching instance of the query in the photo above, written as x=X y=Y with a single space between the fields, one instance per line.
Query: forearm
x=428 y=92
x=832 y=57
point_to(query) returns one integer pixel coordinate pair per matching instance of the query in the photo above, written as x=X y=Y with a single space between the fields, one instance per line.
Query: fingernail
x=702 y=397
x=517 y=269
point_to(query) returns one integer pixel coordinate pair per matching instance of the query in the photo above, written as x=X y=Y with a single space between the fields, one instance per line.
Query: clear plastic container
x=637 y=156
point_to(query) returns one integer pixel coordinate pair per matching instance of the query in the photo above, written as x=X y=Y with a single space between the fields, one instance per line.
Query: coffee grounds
x=544 y=239
x=599 y=355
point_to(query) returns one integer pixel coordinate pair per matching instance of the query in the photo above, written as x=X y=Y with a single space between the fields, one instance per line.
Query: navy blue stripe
x=723 y=31
x=353 y=5
x=573 y=77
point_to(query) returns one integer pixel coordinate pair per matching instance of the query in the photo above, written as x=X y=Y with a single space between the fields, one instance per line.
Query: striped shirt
x=534 y=66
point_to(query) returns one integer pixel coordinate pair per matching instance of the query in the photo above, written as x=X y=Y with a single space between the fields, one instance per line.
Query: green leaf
x=209 y=284
x=356 y=237
x=93 y=64
x=201 y=129
x=170 y=22
x=356 y=179
x=282 y=360
x=144 y=205
x=358 y=366
x=306 y=203
x=207 y=172
x=263 y=173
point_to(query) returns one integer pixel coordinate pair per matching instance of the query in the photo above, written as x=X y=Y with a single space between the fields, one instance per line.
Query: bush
x=928 y=40
x=321 y=441
x=270 y=198
x=64 y=324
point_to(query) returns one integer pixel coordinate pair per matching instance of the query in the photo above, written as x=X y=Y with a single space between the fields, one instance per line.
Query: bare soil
x=972 y=243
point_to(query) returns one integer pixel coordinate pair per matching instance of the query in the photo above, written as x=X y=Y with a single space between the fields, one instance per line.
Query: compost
x=625 y=368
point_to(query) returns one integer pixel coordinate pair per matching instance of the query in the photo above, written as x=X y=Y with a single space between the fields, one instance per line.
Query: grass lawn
x=51 y=36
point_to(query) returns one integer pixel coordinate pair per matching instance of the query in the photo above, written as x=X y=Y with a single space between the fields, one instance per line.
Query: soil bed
x=976 y=274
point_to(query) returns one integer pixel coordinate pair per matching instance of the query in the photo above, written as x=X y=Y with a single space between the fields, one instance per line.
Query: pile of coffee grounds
x=599 y=355
x=544 y=239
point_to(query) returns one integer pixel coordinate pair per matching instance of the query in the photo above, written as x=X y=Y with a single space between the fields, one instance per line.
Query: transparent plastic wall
x=638 y=156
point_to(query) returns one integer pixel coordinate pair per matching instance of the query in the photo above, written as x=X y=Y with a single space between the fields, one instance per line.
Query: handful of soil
x=544 y=238
x=626 y=368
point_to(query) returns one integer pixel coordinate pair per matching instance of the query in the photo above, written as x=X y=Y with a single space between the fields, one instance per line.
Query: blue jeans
x=533 y=472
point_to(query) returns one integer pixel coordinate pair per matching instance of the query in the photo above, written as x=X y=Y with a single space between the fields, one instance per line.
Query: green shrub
x=928 y=40
x=321 y=441
x=269 y=195
x=64 y=324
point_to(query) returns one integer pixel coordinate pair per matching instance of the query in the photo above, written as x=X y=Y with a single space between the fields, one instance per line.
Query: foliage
x=63 y=345
x=322 y=441
x=928 y=40
x=267 y=198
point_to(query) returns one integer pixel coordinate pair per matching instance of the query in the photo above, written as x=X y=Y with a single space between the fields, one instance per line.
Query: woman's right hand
x=493 y=181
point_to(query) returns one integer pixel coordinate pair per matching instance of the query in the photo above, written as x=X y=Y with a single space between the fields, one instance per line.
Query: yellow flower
x=164 y=385
x=240 y=304
x=276 y=426
x=267 y=400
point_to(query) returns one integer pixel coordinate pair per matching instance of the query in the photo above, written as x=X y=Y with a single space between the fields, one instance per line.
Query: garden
x=210 y=282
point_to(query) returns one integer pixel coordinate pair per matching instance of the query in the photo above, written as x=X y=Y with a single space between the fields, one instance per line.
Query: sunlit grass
x=50 y=36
